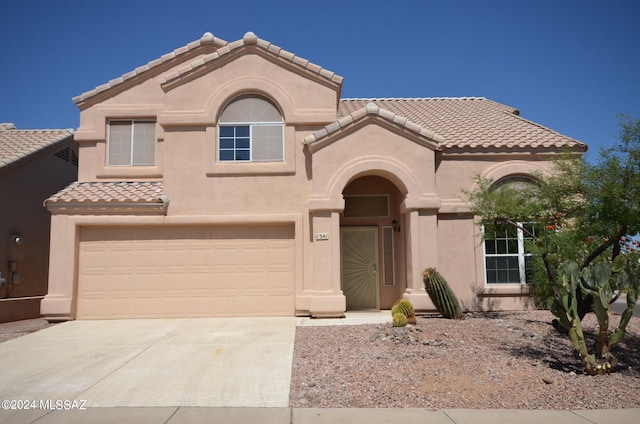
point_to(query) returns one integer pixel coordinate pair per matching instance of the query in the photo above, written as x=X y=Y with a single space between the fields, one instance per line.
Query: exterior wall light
x=395 y=225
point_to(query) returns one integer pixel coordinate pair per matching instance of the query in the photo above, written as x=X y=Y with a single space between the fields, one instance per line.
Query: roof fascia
x=107 y=208
x=483 y=153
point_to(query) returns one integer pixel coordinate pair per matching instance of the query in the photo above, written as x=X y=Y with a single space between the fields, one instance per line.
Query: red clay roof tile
x=468 y=122
x=110 y=193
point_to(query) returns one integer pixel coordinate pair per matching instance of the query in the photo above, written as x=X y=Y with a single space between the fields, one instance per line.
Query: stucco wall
x=25 y=187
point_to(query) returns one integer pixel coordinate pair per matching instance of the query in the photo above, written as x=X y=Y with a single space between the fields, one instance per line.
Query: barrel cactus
x=441 y=294
x=399 y=320
x=404 y=307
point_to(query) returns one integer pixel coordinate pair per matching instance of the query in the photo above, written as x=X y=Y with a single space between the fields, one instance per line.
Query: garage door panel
x=186 y=271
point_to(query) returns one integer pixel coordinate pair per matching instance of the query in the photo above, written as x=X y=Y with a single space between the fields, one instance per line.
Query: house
x=230 y=179
x=34 y=164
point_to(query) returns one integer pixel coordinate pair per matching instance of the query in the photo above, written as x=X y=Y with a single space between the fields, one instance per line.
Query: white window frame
x=522 y=256
x=251 y=126
x=249 y=114
x=133 y=142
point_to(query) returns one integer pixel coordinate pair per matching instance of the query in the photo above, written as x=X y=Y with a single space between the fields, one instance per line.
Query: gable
x=199 y=98
x=372 y=114
x=251 y=44
x=202 y=56
x=189 y=86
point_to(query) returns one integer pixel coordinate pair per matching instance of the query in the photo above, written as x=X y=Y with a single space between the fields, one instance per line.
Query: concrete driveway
x=233 y=362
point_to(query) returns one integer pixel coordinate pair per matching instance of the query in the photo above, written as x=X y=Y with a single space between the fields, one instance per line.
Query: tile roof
x=250 y=39
x=222 y=48
x=372 y=108
x=17 y=145
x=468 y=123
x=101 y=193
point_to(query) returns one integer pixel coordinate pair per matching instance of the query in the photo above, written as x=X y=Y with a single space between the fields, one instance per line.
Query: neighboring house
x=34 y=164
x=230 y=179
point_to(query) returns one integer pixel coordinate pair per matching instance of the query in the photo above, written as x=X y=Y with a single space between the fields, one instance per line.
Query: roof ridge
x=250 y=39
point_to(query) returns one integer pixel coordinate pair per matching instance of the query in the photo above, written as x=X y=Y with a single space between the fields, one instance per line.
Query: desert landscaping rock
x=489 y=360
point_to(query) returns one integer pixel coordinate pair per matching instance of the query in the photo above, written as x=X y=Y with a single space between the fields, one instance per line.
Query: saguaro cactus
x=441 y=294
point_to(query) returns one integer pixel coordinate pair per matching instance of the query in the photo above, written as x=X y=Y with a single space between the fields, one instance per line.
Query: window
x=367 y=206
x=388 y=254
x=250 y=130
x=131 y=143
x=506 y=252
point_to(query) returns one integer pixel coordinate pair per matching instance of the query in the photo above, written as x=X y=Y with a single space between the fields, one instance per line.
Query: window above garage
x=131 y=142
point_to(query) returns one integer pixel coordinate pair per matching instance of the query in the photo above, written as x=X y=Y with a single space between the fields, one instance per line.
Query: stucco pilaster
x=422 y=252
x=58 y=305
x=326 y=298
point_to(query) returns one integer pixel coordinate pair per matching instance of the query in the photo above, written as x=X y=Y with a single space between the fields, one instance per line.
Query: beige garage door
x=138 y=272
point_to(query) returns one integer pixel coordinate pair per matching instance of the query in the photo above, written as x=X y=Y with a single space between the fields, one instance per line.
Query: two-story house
x=230 y=179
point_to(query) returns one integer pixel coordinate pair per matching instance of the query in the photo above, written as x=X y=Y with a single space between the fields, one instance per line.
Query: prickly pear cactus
x=441 y=294
x=399 y=320
x=404 y=307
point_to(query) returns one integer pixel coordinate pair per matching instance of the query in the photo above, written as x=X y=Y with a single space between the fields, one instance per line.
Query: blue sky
x=571 y=65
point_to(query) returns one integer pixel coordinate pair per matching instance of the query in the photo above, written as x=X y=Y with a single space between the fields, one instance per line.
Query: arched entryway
x=372 y=243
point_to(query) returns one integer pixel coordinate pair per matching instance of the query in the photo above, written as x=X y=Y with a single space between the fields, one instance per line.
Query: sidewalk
x=188 y=415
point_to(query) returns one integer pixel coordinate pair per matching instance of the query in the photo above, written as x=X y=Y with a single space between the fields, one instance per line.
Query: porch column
x=422 y=252
x=327 y=299
x=58 y=304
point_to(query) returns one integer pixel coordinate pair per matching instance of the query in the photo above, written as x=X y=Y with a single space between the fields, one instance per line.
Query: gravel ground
x=11 y=330
x=513 y=360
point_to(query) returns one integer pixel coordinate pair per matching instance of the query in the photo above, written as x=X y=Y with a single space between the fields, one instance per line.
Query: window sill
x=251 y=168
x=129 y=172
x=507 y=290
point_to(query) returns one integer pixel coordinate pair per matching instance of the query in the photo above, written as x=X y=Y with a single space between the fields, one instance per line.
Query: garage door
x=155 y=272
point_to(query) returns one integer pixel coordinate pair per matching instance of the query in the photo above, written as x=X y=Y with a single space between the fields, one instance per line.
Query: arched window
x=514 y=181
x=251 y=129
x=507 y=257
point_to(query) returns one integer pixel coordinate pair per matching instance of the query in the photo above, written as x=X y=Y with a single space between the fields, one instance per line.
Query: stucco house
x=34 y=164
x=231 y=179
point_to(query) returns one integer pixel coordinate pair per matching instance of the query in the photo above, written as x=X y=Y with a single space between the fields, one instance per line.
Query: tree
x=584 y=214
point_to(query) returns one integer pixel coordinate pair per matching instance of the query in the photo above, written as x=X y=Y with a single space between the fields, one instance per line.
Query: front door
x=359 y=247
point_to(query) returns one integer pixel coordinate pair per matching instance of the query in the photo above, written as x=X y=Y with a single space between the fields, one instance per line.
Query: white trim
x=521 y=255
